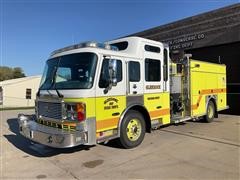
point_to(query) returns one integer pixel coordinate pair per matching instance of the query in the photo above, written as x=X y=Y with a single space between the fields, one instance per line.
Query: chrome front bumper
x=49 y=136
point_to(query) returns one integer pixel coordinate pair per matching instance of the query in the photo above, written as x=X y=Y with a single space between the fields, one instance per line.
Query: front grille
x=50 y=110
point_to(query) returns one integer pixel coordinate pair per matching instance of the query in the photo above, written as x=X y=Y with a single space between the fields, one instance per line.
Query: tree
x=5 y=73
x=18 y=72
x=10 y=73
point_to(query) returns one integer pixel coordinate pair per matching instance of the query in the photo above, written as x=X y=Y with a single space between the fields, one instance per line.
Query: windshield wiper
x=58 y=93
x=53 y=84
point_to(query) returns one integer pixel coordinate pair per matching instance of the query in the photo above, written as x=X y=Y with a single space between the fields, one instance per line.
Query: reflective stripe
x=157 y=113
x=206 y=92
x=107 y=124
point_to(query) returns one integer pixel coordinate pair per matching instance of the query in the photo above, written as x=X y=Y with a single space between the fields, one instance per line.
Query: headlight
x=75 y=112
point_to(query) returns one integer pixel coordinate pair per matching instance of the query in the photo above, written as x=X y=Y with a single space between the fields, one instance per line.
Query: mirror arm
x=109 y=87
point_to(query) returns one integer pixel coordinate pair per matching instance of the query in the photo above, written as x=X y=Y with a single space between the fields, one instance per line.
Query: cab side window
x=152 y=70
x=134 y=71
x=104 y=76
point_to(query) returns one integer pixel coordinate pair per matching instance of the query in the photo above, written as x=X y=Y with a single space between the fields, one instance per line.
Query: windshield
x=74 y=71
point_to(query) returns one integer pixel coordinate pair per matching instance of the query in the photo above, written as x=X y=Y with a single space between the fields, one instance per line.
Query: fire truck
x=94 y=92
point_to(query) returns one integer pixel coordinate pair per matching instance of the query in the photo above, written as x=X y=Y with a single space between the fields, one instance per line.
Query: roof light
x=84 y=45
x=91 y=44
x=107 y=46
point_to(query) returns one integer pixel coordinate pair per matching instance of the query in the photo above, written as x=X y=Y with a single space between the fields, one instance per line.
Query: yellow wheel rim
x=134 y=129
x=210 y=111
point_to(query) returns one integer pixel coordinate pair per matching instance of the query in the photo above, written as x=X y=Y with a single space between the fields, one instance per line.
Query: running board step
x=179 y=120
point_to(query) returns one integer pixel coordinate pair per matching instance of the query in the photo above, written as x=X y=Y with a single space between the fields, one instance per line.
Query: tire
x=210 y=114
x=132 y=130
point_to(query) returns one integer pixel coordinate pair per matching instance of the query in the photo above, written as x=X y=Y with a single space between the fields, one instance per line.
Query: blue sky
x=32 y=29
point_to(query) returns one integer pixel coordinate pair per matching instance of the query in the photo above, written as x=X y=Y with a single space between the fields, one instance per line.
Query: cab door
x=156 y=91
x=111 y=103
x=134 y=82
x=135 y=78
x=153 y=62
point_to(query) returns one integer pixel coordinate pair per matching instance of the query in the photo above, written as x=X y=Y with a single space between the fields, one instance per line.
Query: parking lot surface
x=191 y=150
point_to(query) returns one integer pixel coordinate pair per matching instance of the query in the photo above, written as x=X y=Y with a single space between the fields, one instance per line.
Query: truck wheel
x=210 y=112
x=132 y=130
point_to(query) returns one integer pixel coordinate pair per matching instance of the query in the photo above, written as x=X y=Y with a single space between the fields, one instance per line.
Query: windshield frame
x=51 y=76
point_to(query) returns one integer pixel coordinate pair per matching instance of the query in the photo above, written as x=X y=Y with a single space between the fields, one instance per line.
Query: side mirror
x=113 y=71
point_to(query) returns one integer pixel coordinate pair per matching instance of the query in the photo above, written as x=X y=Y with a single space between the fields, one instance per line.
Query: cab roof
x=134 y=47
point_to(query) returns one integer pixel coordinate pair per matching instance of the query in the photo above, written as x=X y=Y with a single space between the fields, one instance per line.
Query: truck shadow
x=114 y=143
x=35 y=149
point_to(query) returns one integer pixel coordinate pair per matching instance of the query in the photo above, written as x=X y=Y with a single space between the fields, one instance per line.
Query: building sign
x=184 y=42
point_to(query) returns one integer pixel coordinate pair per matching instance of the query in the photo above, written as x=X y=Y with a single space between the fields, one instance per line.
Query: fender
x=125 y=112
x=214 y=98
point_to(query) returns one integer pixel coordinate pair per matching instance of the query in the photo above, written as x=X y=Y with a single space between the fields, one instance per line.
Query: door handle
x=159 y=107
x=115 y=114
x=134 y=92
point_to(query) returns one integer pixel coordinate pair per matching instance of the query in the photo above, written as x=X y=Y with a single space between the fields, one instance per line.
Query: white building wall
x=14 y=93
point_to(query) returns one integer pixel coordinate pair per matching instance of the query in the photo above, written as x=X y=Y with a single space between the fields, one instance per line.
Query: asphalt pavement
x=190 y=150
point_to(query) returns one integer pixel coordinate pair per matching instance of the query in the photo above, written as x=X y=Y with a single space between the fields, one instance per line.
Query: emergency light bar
x=85 y=45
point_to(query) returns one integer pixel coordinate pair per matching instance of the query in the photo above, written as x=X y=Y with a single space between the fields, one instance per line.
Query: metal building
x=20 y=92
x=213 y=36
